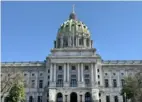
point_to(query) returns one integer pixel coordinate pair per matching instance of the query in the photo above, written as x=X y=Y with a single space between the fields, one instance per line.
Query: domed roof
x=73 y=26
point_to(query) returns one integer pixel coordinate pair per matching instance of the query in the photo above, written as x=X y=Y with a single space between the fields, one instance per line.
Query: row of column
x=72 y=42
x=80 y=72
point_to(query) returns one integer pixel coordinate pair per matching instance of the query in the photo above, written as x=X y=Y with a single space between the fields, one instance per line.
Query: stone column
x=68 y=73
x=96 y=74
x=69 y=41
x=78 y=97
x=64 y=72
x=83 y=97
x=54 y=72
x=92 y=74
x=51 y=67
x=118 y=80
x=78 y=67
x=84 y=42
x=110 y=80
x=82 y=74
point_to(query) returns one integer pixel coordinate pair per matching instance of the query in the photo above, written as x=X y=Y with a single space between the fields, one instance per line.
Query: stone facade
x=73 y=72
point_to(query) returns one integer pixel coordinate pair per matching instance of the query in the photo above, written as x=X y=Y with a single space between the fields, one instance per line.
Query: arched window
x=87 y=97
x=59 y=97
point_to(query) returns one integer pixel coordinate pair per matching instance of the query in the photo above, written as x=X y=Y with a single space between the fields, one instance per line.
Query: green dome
x=73 y=26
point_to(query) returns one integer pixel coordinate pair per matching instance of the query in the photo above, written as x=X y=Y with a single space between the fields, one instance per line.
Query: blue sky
x=29 y=28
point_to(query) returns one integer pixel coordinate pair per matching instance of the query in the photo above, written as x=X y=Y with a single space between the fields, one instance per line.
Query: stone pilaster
x=92 y=74
x=95 y=95
x=52 y=95
x=64 y=72
x=54 y=73
x=51 y=72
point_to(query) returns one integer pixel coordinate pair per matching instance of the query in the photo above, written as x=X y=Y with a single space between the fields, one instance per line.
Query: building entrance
x=73 y=97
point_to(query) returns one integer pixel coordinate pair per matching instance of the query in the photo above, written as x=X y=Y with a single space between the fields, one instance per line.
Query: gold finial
x=73 y=8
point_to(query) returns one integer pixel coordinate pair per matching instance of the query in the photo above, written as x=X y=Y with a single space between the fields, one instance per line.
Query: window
x=87 y=41
x=99 y=94
x=73 y=83
x=98 y=76
x=25 y=74
x=39 y=98
x=48 y=77
x=86 y=75
x=60 y=76
x=98 y=70
x=8 y=74
x=30 y=99
x=113 y=73
x=48 y=71
x=33 y=83
x=87 y=81
x=80 y=41
x=115 y=99
x=122 y=82
x=33 y=74
x=122 y=73
x=107 y=98
x=73 y=76
x=40 y=83
x=60 y=68
x=106 y=83
x=98 y=82
x=40 y=74
x=99 y=100
x=105 y=73
x=59 y=83
x=114 y=83
x=73 y=68
x=86 y=68
x=66 y=98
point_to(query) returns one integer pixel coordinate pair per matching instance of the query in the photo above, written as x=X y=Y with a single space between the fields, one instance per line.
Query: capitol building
x=73 y=71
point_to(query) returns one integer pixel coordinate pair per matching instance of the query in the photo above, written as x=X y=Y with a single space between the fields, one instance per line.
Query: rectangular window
x=114 y=83
x=86 y=76
x=59 y=83
x=66 y=98
x=60 y=76
x=106 y=83
x=115 y=99
x=86 y=68
x=87 y=81
x=40 y=83
x=60 y=68
x=122 y=82
x=33 y=84
x=39 y=98
x=73 y=83
x=107 y=98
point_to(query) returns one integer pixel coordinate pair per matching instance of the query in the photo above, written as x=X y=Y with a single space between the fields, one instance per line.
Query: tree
x=9 y=78
x=133 y=87
x=16 y=93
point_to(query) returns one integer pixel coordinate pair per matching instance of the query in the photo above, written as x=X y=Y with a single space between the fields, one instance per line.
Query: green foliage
x=133 y=87
x=17 y=93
